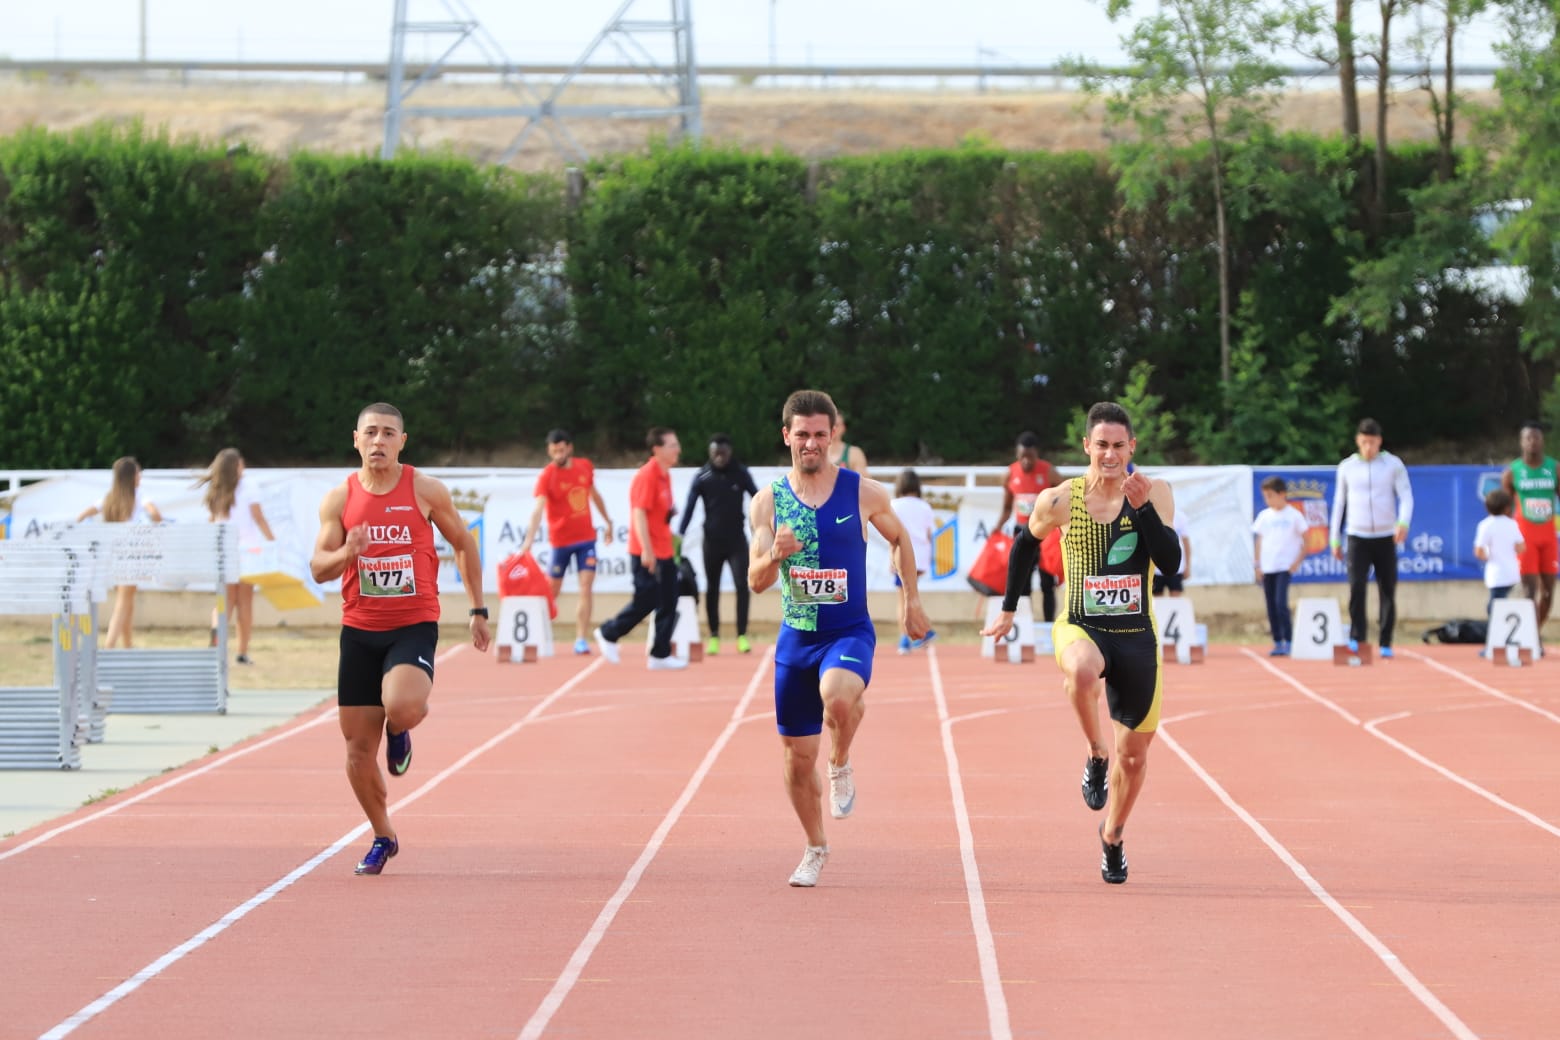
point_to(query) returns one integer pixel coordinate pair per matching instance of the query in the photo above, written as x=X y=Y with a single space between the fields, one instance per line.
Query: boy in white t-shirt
x=1498 y=542
x=920 y=523
x=1280 y=546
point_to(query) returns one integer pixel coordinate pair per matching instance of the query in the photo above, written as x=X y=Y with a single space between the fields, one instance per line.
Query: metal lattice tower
x=636 y=42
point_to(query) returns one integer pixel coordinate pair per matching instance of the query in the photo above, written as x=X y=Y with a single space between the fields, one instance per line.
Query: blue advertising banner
x=1448 y=505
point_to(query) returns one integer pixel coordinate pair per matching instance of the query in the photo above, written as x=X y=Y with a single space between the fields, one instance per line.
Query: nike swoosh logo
x=852 y=660
x=842 y=519
x=422 y=662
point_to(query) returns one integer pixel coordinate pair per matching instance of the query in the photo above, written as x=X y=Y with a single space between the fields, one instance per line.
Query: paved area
x=137 y=747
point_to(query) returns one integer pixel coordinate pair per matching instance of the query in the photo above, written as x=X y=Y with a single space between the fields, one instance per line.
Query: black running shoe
x=1096 y=783
x=398 y=751
x=1113 y=862
x=378 y=853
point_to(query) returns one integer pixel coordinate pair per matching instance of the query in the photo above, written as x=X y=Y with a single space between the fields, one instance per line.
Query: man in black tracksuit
x=721 y=484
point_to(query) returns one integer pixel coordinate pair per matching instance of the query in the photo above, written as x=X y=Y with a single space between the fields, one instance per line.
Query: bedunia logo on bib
x=390 y=534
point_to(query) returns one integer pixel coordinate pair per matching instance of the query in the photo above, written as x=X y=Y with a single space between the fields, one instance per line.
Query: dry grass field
x=282 y=117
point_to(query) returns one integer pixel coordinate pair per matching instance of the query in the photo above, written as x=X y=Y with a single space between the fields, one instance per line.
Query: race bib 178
x=816 y=585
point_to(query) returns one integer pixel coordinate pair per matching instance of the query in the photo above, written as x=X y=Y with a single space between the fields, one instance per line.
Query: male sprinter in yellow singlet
x=1114 y=523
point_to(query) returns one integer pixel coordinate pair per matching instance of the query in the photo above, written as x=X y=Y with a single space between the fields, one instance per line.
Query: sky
x=726 y=32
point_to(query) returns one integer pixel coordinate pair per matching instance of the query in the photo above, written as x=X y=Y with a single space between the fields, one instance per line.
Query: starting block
x=1179 y=632
x=1511 y=656
x=1342 y=655
x=686 y=641
x=1513 y=633
x=524 y=629
x=1018 y=646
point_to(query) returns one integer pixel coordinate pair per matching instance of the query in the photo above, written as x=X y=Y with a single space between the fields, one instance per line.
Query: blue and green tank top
x=824 y=584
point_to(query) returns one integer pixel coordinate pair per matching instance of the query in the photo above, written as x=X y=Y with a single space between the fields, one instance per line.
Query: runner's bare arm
x=1050 y=512
x=335 y=547
x=468 y=557
x=877 y=507
x=763 y=568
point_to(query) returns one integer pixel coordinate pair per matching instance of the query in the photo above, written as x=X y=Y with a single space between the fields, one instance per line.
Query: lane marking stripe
x=238 y=913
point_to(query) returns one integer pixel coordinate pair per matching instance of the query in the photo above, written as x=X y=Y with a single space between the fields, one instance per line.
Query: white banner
x=1216 y=501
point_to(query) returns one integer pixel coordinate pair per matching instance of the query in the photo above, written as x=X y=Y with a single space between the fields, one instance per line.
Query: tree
x=1219 y=54
x=1530 y=120
x=1443 y=105
x=1348 y=71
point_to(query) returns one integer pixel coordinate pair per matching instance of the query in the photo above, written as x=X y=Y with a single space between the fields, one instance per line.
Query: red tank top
x=394 y=582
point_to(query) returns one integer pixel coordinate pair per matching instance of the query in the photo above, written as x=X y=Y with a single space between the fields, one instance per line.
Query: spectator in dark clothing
x=721 y=484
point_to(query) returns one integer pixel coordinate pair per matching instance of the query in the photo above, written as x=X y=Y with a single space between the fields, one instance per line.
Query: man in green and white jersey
x=1531 y=479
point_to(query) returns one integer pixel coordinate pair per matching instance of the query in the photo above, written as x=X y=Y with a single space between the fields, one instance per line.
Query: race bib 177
x=386 y=576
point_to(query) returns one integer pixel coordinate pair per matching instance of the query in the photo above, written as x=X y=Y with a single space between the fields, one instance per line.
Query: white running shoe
x=842 y=791
x=609 y=649
x=671 y=663
x=806 y=873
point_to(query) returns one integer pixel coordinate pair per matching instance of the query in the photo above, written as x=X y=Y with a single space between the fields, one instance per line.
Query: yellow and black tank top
x=1107 y=568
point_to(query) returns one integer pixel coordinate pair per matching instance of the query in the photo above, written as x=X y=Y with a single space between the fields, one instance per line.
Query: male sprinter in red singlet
x=376 y=535
x=1114 y=522
x=810 y=534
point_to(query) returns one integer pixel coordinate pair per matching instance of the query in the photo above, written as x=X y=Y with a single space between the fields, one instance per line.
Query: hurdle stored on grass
x=171 y=557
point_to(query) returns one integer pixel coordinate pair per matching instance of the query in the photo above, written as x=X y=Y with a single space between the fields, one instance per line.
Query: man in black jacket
x=721 y=484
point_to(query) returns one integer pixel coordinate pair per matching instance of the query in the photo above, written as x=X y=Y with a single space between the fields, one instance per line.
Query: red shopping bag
x=1051 y=555
x=988 y=575
x=520 y=575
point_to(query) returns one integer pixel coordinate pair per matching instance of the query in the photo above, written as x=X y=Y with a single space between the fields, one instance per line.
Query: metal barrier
x=170 y=556
x=44 y=726
x=92 y=697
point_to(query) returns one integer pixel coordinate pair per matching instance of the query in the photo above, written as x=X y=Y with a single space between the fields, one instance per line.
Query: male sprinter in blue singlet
x=1114 y=523
x=810 y=534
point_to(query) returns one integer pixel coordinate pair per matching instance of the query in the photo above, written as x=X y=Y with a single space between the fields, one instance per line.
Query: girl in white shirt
x=228 y=500
x=122 y=505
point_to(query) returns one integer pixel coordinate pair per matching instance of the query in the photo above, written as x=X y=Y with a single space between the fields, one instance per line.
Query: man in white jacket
x=1372 y=506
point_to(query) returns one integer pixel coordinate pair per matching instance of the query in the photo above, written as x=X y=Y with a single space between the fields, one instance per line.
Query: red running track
x=590 y=851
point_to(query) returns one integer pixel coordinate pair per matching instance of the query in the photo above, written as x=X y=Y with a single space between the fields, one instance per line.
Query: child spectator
x=915 y=513
x=1280 y=546
x=1498 y=542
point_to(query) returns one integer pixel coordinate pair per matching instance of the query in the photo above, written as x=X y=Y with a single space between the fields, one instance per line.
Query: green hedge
x=165 y=299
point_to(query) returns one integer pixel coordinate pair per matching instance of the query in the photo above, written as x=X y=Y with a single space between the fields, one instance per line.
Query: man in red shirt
x=1027 y=476
x=650 y=555
x=376 y=535
x=566 y=488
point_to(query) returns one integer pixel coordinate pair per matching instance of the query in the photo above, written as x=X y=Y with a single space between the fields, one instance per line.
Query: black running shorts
x=366 y=657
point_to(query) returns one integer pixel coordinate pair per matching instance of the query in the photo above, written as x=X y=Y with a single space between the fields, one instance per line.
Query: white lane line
x=221 y=759
x=575 y=967
x=1371 y=727
x=1383 y=953
x=985 y=944
x=1484 y=687
x=238 y=913
x=1297 y=684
